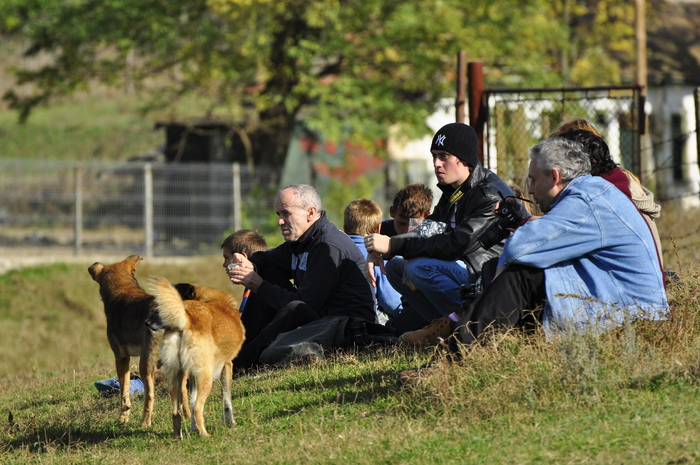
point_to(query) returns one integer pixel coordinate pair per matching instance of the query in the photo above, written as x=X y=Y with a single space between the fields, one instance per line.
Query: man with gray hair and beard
x=588 y=264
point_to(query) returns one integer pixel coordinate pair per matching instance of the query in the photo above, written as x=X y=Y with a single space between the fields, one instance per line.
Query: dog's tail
x=169 y=304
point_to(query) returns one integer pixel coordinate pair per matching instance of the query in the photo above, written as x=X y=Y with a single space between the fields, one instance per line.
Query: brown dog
x=127 y=307
x=202 y=337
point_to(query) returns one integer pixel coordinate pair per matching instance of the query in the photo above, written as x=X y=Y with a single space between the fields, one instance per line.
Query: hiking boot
x=431 y=334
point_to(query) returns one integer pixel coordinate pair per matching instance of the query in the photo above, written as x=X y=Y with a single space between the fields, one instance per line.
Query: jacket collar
x=572 y=186
x=478 y=173
x=310 y=233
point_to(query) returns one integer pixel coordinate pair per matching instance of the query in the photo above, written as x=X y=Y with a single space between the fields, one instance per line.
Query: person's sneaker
x=430 y=335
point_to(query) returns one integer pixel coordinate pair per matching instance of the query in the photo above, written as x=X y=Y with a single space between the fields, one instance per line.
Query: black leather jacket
x=473 y=215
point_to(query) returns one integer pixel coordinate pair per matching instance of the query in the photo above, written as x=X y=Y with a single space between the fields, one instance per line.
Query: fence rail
x=146 y=208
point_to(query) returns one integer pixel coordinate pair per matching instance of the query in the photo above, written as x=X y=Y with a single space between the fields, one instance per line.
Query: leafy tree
x=601 y=37
x=14 y=14
x=348 y=68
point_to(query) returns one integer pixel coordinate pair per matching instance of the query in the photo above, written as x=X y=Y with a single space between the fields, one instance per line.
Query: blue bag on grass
x=110 y=387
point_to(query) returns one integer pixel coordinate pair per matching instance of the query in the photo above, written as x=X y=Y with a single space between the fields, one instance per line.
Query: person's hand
x=377 y=244
x=246 y=277
x=372 y=261
x=243 y=260
x=241 y=271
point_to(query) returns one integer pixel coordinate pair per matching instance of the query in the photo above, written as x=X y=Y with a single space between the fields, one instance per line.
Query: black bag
x=364 y=333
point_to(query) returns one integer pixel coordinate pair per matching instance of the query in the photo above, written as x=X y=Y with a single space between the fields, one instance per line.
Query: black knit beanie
x=460 y=140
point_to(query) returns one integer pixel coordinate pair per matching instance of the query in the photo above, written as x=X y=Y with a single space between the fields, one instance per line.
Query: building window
x=677 y=146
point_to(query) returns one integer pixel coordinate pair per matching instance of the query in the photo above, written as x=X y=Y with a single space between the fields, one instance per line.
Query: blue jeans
x=436 y=284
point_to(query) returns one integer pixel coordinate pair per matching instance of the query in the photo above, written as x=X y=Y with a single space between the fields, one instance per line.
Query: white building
x=673 y=41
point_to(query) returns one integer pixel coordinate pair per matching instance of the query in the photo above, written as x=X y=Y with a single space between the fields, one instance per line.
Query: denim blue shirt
x=388 y=298
x=599 y=259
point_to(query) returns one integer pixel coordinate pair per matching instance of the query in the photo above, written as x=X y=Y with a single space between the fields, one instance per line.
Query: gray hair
x=306 y=196
x=567 y=156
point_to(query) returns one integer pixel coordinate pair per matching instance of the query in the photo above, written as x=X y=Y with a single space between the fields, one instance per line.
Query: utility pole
x=461 y=86
x=642 y=72
x=565 y=50
x=477 y=116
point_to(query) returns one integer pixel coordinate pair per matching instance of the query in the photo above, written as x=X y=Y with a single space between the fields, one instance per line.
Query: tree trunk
x=271 y=142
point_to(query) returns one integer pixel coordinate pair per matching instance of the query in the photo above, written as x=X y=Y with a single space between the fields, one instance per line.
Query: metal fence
x=146 y=208
x=520 y=118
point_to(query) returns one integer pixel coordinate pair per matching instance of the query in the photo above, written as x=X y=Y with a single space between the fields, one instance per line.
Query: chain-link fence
x=150 y=209
x=520 y=118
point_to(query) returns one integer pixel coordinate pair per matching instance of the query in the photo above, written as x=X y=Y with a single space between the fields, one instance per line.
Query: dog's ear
x=95 y=271
x=186 y=290
x=133 y=261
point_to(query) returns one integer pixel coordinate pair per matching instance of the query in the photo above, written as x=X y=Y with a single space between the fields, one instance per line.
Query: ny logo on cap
x=440 y=140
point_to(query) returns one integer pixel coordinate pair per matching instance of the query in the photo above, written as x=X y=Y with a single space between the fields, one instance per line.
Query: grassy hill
x=87 y=127
x=629 y=397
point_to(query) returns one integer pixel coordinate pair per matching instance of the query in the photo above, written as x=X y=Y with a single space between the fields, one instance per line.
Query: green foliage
x=354 y=67
x=261 y=199
x=600 y=38
x=337 y=195
x=15 y=14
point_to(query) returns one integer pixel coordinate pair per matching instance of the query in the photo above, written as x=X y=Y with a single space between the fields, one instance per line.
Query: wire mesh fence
x=520 y=118
x=151 y=209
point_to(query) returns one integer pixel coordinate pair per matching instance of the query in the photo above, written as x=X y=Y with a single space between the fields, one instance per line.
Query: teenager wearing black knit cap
x=428 y=271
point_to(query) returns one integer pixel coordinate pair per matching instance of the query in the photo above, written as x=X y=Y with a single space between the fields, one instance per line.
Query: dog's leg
x=124 y=387
x=226 y=378
x=147 y=367
x=184 y=406
x=193 y=399
x=176 y=401
x=203 y=389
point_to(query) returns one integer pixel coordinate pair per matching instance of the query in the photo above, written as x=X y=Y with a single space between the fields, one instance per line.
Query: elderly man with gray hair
x=315 y=273
x=588 y=264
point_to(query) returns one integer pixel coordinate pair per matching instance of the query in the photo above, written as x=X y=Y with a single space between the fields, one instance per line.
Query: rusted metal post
x=477 y=117
x=461 y=86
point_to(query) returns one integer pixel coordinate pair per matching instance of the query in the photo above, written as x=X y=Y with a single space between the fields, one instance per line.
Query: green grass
x=629 y=397
x=348 y=410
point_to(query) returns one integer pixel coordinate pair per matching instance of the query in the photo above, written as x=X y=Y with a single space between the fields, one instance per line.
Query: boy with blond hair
x=361 y=218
